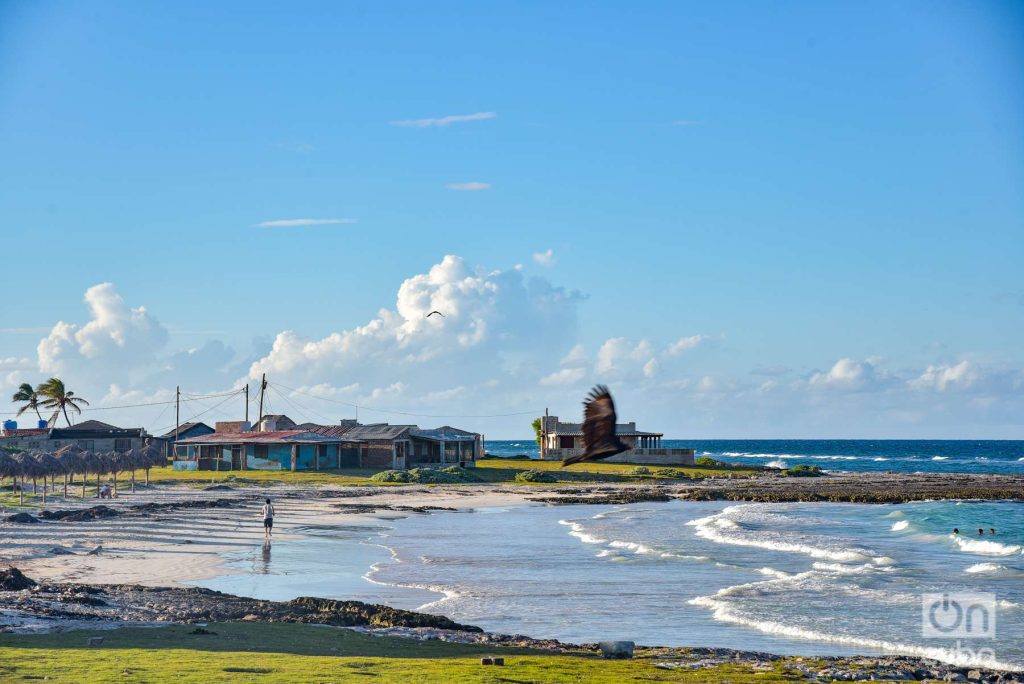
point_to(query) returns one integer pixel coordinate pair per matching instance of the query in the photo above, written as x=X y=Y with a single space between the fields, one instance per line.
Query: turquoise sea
x=816 y=578
x=856 y=455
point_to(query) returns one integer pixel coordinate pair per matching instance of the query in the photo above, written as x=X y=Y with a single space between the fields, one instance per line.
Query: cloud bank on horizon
x=510 y=343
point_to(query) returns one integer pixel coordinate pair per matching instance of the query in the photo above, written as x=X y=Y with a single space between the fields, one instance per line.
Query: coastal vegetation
x=274 y=653
x=52 y=395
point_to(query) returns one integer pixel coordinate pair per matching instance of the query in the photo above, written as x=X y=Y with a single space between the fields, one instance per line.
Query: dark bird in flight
x=435 y=312
x=599 y=436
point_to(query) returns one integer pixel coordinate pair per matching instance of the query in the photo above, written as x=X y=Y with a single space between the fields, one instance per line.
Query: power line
x=151 y=403
x=404 y=413
x=201 y=413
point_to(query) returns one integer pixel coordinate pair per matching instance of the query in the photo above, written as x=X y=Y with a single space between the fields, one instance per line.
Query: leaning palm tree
x=56 y=396
x=27 y=395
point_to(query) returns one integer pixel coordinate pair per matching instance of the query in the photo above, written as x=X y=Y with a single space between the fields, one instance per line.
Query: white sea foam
x=900 y=525
x=994 y=569
x=716 y=527
x=777 y=464
x=985 y=548
x=940 y=458
x=577 y=531
x=723 y=612
x=879 y=459
x=772 y=572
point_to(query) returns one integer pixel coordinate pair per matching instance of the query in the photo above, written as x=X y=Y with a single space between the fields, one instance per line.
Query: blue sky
x=826 y=199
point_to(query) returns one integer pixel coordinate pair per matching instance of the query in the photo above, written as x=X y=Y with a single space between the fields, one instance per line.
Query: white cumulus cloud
x=545 y=258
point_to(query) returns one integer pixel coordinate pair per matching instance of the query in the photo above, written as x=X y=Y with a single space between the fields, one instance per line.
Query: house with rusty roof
x=93 y=435
x=266 y=450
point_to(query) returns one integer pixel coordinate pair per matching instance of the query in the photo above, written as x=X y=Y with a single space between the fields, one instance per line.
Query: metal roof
x=185 y=427
x=24 y=432
x=379 y=431
x=445 y=434
x=276 y=437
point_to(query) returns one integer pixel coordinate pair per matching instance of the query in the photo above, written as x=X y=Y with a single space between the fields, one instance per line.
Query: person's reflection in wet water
x=265 y=558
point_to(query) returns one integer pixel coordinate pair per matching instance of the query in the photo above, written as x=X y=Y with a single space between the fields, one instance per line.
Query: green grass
x=487 y=471
x=279 y=653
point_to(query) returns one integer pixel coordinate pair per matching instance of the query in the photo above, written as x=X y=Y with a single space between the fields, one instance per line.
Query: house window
x=86 y=444
x=566 y=442
x=121 y=445
x=260 y=451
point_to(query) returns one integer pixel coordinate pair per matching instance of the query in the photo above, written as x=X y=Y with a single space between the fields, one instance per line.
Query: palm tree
x=29 y=396
x=56 y=396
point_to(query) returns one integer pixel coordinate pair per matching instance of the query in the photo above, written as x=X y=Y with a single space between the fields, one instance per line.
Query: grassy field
x=278 y=653
x=489 y=470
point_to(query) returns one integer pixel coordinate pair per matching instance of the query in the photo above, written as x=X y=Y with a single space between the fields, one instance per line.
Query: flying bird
x=599 y=438
x=435 y=312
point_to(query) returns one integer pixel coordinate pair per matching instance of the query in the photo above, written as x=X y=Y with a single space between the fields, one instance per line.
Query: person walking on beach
x=268 y=519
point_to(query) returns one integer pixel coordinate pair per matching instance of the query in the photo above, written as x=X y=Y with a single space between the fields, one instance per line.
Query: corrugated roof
x=328 y=430
x=446 y=433
x=379 y=431
x=276 y=437
x=25 y=432
x=185 y=427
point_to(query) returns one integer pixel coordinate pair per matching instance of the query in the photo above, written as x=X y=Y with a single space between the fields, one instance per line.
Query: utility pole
x=177 y=416
x=263 y=389
x=544 y=435
x=247 y=402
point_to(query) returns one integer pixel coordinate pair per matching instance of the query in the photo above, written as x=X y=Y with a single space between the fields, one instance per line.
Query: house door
x=236 y=457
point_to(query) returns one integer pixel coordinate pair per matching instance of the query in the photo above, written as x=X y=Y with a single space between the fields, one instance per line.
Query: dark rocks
x=81 y=514
x=12 y=579
x=21 y=518
x=332 y=612
x=154 y=507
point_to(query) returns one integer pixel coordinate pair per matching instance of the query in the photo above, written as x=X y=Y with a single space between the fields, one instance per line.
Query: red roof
x=260 y=437
x=25 y=432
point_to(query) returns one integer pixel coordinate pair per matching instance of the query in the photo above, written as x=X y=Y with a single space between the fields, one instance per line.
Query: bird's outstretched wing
x=599 y=437
x=435 y=312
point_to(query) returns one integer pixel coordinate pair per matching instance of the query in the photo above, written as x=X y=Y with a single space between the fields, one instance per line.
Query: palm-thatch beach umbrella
x=49 y=466
x=30 y=468
x=10 y=467
x=153 y=457
x=90 y=463
x=70 y=458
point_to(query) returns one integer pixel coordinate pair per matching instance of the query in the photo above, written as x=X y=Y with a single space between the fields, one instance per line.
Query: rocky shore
x=26 y=605
x=848 y=487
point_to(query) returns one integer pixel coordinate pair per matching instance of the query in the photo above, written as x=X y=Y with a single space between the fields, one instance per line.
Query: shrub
x=535 y=476
x=641 y=470
x=669 y=472
x=711 y=462
x=803 y=470
x=392 y=476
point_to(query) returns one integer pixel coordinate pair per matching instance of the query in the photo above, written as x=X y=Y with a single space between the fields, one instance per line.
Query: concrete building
x=561 y=440
x=274 y=450
x=408 y=446
x=92 y=435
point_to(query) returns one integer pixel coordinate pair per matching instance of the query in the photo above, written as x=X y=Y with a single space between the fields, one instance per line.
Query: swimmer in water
x=981 y=532
x=956 y=530
x=991 y=530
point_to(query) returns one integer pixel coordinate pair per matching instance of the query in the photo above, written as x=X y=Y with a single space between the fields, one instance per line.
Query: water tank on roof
x=41 y=424
x=10 y=425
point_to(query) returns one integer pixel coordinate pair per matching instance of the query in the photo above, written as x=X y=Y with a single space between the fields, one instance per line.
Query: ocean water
x=815 y=578
x=855 y=455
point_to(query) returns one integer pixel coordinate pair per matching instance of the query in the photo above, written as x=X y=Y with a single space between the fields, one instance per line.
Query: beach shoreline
x=173 y=536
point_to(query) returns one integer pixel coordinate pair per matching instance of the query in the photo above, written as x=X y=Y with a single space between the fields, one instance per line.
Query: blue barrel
x=10 y=425
x=41 y=424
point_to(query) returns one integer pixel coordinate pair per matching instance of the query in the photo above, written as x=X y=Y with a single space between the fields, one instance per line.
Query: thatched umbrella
x=70 y=458
x=153 y=456
x=30 y=468
x=11 y=467
x=49 y=465
x=90 y=463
